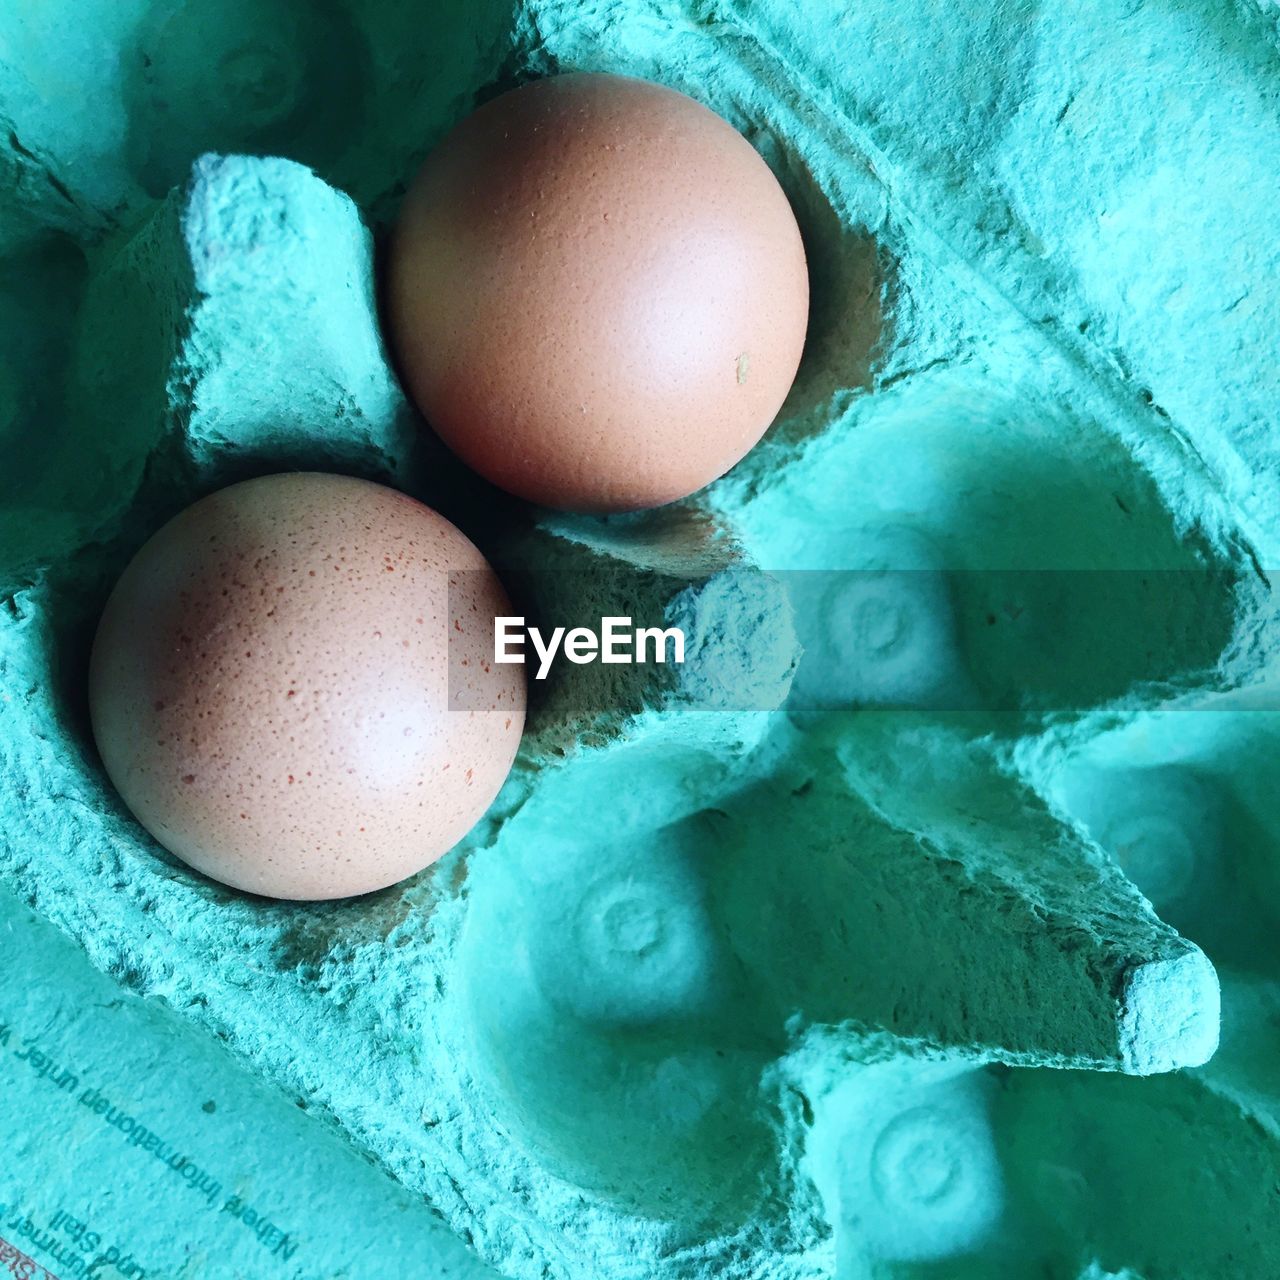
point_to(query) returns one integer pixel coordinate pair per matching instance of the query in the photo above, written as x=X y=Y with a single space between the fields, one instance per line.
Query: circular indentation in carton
x=643 y=953
x=877 y=623
x=917 y=1161
x=922 y=1182
x=634 y=949
x=881 y=632
x=264 y=81
x=1166 y=825
x=867 y=620
x=629 y=924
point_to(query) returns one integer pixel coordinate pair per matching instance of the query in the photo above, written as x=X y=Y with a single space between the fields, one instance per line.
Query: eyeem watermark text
x=618 y=641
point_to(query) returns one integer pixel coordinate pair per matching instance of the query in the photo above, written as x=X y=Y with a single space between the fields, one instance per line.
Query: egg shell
x=292 y=686
x=598 y=293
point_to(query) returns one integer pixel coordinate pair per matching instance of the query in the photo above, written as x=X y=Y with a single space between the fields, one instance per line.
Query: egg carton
x=893 y=936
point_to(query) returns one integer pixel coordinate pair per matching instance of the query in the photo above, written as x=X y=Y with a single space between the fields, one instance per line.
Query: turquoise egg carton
x=925 y=923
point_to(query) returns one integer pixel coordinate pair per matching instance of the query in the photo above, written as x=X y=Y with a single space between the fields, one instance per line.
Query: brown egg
x=598 y=293
x=292 y=686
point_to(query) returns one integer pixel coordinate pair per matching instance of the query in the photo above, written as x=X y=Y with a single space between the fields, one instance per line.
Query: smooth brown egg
x=292 y=686
x=598 y=293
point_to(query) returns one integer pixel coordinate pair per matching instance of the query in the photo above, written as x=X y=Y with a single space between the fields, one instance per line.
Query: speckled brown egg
x=598 y=293
x=292 y=686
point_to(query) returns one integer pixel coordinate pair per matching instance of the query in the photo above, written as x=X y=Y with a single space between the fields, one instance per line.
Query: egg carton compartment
x=359 y=92
x=1015 y=563
x=765 y=988
x=1135 y=1170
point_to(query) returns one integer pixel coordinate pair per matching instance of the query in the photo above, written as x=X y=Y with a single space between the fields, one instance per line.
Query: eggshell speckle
x=598 y=293
x=292 y=686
